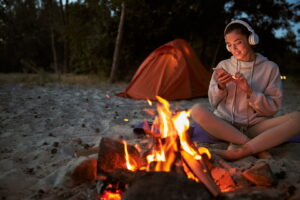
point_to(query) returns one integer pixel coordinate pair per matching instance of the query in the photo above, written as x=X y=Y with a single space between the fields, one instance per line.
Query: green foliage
x=90 y=33
x=85 y=32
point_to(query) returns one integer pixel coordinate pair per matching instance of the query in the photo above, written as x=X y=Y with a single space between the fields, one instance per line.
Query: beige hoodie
x=232 y=104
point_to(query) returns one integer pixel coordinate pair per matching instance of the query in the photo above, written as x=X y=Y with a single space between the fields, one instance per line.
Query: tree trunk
x=65 y=18
x=54 y=52
x=116 y=57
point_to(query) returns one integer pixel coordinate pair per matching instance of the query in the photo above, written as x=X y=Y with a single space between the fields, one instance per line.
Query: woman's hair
x=240 y=28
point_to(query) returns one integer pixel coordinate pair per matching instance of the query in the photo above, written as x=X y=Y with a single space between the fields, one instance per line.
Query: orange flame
x=203 y=150
x=173 y=131
x=171 y=140
x=129 y=166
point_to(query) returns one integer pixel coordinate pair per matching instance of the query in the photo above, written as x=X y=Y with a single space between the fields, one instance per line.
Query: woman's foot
x=232 y=146
x=264 y=155
x=236 y=153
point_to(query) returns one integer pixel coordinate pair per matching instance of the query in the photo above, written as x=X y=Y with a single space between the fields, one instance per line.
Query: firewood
x=85 y=171
x=260 y=174
x=223 y=179
x=111 y=156
x=167 y=186
x=201 y=172
x=86 y=152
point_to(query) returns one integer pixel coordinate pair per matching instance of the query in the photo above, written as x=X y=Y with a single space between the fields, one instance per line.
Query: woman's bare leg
x=280 y=130
x=217 y=127
x=275 y=131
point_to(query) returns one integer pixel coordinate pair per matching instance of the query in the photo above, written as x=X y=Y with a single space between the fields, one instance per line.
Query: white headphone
x=253 y=38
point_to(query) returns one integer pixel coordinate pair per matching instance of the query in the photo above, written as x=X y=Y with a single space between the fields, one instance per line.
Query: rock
x=260 y=174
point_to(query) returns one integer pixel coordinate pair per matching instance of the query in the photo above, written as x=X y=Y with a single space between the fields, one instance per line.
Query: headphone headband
x=238 y=21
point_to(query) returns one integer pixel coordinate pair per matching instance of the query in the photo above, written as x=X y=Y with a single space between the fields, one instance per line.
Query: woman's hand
x=222 y=77
x=241 y=82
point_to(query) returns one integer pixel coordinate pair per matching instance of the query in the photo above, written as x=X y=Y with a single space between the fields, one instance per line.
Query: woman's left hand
x=241 y=82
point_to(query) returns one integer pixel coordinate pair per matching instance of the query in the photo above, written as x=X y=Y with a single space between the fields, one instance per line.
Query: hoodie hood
x=258 y=59
x=233 y=65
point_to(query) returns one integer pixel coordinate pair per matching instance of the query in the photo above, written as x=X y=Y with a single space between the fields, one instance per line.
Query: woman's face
x=239 y=47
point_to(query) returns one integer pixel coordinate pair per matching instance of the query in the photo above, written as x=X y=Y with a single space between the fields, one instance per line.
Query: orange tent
x=172 y=72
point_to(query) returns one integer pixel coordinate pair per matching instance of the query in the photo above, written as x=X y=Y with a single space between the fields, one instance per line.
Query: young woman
x=245 y=92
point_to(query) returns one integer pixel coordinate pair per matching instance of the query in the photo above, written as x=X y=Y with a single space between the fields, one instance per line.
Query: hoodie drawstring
x=235 y=91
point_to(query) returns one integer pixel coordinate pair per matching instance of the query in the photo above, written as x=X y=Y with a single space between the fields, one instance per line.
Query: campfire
x=170 y=152
x=166 y=164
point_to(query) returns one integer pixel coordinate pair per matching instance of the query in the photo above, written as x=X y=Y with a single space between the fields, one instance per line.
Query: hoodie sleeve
x=269 y=101
x=215 y=94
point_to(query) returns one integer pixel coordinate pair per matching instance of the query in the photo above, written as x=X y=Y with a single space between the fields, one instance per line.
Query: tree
x=119 y=38
x=52 y=36
x=65 y=19
x=83 y=33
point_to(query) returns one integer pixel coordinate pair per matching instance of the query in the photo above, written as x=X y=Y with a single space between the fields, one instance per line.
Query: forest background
x=83 y=36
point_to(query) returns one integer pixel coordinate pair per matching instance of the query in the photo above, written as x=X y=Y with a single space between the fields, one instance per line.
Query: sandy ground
x=42 y=126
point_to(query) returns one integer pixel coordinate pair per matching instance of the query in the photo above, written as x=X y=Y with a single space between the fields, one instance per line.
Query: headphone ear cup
x=253 y=39
x=227 y=47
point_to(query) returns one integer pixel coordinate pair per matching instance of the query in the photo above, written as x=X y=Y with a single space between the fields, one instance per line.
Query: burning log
x=111 y=156
x=85 y=171
x=201 y=172
x=172 y=151
x=223 y=179
x=260 y=174
x=167 y=186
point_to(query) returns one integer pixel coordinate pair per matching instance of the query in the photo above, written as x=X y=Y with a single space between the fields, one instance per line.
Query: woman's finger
x=225 y=79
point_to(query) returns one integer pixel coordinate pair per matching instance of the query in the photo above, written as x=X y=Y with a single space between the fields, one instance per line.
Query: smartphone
x=218 y=70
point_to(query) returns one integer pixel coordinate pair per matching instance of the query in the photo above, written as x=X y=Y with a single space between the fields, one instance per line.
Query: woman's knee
x=295 y=116
x=199 y=111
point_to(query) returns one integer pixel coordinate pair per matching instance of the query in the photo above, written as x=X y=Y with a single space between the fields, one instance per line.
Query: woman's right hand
x=222 y=77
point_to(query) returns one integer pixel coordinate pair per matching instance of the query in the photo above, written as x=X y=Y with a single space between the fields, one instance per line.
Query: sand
x=41 y=127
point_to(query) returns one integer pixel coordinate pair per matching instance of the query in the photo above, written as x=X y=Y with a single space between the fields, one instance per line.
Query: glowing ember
x=149 y=102
x=110 y=195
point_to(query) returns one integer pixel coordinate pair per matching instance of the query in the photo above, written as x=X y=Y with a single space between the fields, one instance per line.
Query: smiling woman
x=238 y=44
x=244 y=105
